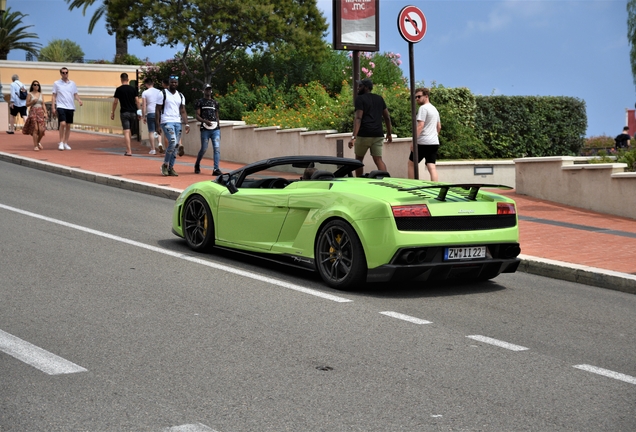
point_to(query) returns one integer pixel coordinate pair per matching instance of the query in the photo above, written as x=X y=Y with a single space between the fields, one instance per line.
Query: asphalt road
x=109 y=323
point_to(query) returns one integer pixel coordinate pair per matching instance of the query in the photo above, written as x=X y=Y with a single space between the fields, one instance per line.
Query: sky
x=574 y=48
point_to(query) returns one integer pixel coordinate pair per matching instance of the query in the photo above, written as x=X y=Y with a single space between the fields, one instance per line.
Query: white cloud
x=509 y=13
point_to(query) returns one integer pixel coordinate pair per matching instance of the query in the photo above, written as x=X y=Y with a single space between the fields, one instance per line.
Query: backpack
x=620 y=141
x=22 y=94
x=163 y=102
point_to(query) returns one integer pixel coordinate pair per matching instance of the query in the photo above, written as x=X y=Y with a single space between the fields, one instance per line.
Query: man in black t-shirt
x=623 y=140
x=128 y=96
x=367 y=125
x=207 y=112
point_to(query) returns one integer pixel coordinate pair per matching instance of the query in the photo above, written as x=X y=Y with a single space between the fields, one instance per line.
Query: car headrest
x=322 y=175
x=378 y=174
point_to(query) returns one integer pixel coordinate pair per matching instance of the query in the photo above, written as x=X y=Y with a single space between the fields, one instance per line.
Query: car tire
x=198 y=225
x=339 y=256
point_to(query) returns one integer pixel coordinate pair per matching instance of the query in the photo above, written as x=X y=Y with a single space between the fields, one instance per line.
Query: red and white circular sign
x=412 y=24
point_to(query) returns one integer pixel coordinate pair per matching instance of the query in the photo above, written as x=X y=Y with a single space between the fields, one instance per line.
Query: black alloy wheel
x=340 y=258
x=198 y=226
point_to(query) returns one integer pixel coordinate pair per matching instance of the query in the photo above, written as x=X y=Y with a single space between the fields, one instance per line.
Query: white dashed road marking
x=185 y=257
x=607 y=373
x=405 y=317
x=198 y=427
x=497 y=342
x=35 y=356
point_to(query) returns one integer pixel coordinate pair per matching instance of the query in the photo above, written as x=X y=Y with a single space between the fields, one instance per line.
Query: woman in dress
x=35 y=124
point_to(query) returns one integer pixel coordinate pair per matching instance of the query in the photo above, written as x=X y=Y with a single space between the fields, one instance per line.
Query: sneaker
x=160 y=147
x=217 y=172
x=66 y=146
x=172 y=172
x=152 y=152
x=10 y=132
x=61 y=146
x=197 y=169
x=164 y=170
x=181 y=150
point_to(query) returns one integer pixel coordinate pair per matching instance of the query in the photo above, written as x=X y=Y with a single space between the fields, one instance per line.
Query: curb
x=104 y=179
x=578 y=273
x=540 y=266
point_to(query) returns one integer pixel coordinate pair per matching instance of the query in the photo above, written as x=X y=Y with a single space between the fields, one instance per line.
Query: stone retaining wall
x=605 y=187
x=244 y=144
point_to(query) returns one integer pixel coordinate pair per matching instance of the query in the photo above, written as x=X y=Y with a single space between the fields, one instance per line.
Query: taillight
x=506 y=208
x=411 y=211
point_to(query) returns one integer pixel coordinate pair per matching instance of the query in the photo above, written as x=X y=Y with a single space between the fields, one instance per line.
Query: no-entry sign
x=412 y=24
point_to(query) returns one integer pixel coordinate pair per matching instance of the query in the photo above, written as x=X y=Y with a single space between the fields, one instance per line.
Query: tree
x=215 y=30
x=114 y=10
x=62 y=51
x=631 y=34
x=13 y=37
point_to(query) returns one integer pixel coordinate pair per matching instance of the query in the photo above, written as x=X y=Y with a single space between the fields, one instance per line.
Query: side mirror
x=224 y=179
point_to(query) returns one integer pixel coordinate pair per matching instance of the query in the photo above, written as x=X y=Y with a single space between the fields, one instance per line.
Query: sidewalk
x=556 y=240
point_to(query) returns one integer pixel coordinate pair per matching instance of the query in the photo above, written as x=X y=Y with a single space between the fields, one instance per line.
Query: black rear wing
x=473 y=189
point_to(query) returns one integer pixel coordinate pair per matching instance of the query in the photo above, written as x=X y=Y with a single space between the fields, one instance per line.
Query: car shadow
x=414 y=288
x=422 y=289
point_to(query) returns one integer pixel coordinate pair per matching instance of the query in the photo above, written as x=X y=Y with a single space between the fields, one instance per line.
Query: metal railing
x=93 y=116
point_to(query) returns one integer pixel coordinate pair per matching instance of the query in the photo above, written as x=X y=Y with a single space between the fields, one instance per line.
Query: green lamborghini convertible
x=310 y=211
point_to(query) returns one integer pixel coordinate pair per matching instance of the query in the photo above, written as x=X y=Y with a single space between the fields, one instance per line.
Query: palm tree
x=112 y=22
x=13 y=37
x=62 y=51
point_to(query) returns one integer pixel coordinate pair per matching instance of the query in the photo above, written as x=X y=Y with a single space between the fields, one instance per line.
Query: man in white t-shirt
x=428 y=127
x=170 y=116
x=63 y=106
x=149 y=99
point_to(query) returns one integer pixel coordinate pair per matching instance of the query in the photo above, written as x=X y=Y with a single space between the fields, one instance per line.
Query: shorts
x=426 y=151
x=65 y=115
x=363 y=144
x=19 y=110
x=150 y=121
x=126 y=119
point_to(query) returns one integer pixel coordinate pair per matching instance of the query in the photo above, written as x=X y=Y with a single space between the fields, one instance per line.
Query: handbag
x=211 y=126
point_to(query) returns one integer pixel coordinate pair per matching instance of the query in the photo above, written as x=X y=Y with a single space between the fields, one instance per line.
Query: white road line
x=35 y=356
x=497 y=342
x=197 y=427
x=405 y=317
x=607 y=373
x=185 y=257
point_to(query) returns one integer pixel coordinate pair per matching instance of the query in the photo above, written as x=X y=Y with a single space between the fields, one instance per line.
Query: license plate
x=459 y=253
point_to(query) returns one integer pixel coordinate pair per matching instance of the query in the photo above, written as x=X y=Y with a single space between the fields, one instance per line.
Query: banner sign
x=356 y=25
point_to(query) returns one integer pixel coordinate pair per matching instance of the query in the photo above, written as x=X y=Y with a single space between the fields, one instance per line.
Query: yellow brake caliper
x=332 y=250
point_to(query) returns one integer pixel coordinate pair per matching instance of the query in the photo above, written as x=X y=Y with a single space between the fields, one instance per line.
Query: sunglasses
x=419 y=96
x=36 y=84
x=64 y=73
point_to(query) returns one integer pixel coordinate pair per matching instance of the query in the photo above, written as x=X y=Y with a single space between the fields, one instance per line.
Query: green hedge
x=524 y=126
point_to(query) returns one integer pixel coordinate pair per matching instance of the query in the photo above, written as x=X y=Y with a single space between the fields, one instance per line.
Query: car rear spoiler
x=473 y=189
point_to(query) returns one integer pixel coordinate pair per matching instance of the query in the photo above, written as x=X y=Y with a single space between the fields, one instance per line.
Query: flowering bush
x=601 y=144
x=191 y=87
x=381 y=68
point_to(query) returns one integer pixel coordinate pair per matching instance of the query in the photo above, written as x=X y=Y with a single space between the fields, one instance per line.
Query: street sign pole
x=416 y=165
x=412 y=27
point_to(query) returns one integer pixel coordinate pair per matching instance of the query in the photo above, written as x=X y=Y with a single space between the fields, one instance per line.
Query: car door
x=252 y=217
